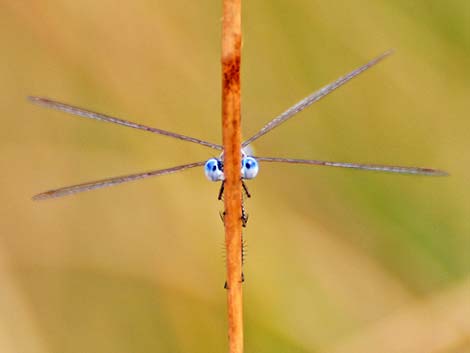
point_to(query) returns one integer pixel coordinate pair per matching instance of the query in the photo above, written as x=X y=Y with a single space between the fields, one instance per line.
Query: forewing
x=314 y=97
x=110 y=119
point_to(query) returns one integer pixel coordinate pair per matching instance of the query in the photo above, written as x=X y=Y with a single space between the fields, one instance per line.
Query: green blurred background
x=338 y=260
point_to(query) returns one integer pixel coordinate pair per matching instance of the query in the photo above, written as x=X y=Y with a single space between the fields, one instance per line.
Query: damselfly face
x=213 y=168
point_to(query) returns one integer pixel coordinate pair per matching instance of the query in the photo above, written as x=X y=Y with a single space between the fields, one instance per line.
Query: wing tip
x=389 y=52
x=437 y=172
x=384 y=55
x=42 y=196
x=37 y=100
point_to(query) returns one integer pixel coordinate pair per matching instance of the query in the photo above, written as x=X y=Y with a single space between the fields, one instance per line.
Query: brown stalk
x=231 y=55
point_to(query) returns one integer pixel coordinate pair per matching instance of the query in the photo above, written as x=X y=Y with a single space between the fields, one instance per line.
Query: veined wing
x=314 y=97
x=69 y=190
x=110 y=119
x=372 y=167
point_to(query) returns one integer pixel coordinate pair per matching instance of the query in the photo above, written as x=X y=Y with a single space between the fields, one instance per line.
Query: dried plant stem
x=231 y=54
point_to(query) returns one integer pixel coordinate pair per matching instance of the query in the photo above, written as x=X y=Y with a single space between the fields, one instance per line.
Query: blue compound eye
x=250 y=168
x=214 y=170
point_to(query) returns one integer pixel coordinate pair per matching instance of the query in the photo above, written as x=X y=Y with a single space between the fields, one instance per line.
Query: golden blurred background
x=338 y=260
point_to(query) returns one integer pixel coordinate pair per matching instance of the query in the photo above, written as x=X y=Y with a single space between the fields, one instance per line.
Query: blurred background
x=338 y=260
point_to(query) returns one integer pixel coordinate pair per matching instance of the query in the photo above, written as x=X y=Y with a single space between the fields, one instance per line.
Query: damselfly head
x=214 y=169
x=250 y=168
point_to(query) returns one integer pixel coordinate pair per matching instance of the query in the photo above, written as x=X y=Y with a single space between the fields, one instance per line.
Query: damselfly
x=214 y=167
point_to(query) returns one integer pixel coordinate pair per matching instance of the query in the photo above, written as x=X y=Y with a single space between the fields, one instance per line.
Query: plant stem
x=231 y=56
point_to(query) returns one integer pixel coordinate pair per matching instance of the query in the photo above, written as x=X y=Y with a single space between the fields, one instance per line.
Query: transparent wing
x=372 y=167
x=110 y=119
x=69 y=190
x=314 y=97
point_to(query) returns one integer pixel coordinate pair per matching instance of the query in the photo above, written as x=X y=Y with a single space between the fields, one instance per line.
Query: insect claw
x=242 y=280
x=222 y=216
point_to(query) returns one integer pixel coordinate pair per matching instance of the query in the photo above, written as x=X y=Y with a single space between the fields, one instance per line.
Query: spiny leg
x=221 y=191
x=244 y=219
x=242 y=254
x=244 y=216
x=247 y=193
x=222 y=188
x=222 y=216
